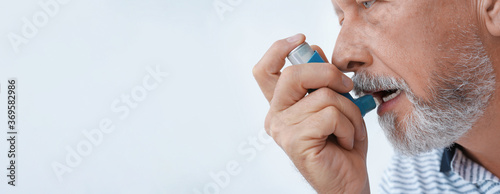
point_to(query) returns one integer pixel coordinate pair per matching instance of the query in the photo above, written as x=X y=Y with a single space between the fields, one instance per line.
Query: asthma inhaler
x=305 y=54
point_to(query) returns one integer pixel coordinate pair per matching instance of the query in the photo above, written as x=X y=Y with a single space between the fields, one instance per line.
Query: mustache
x=365 y=82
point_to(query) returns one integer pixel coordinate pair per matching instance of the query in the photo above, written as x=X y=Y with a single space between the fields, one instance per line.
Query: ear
x=492 y=19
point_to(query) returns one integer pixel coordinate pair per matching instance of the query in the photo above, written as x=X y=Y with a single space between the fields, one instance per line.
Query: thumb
x=320 y=52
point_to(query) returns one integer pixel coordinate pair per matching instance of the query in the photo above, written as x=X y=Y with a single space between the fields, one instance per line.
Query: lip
x=386 y=106
x=383 y=107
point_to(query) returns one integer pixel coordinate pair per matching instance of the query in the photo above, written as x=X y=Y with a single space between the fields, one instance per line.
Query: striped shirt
x=440 y=171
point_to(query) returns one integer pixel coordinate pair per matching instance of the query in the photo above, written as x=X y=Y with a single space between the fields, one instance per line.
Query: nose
x=351 y=51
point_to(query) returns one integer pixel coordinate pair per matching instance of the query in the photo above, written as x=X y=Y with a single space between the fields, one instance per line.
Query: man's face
x=424 y=62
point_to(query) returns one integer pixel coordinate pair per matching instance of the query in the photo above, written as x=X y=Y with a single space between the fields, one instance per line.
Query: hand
x=323 y=133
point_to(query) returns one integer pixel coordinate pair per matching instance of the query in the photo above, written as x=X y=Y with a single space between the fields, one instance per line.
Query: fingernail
x=293 y=38
x=346 y=81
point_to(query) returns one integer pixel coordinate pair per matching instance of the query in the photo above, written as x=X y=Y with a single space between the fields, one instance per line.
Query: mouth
x=383 y=96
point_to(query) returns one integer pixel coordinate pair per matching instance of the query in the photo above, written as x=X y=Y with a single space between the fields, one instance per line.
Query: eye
x=368 y=4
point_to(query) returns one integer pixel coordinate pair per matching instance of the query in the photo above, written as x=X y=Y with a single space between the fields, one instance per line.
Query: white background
x=199 y=119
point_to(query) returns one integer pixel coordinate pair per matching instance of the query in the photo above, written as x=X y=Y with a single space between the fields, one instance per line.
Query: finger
x=326 y=122
x=320 y=52
x=267 y=70
x=295 y=80
x=362 y=145
x=322 y=98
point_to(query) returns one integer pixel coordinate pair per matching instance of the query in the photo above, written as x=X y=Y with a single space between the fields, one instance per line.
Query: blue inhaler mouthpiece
x=305 y=54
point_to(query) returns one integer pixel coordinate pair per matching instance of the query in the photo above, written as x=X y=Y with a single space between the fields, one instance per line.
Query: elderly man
x=431 y=64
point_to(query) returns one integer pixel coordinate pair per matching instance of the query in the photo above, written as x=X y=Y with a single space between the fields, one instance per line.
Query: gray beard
x=459 y=95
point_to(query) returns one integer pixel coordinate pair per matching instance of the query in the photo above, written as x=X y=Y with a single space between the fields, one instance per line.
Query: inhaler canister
x=305 y=54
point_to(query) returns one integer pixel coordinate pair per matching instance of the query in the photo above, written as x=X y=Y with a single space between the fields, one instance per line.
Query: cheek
x=406 y=59
x=407 y=42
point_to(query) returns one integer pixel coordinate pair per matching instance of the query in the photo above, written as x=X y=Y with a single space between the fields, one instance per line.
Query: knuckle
x=331 y=71
x=274 y=135
x=325 y=93
x=272 y=125
x=259 y=71
x=333 y=112
x=289 y=72
x=268 y=124
x=256 y=71
x=278 y=130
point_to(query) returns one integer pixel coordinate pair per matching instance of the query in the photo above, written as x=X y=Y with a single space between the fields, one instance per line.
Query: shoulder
x=421 y=174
